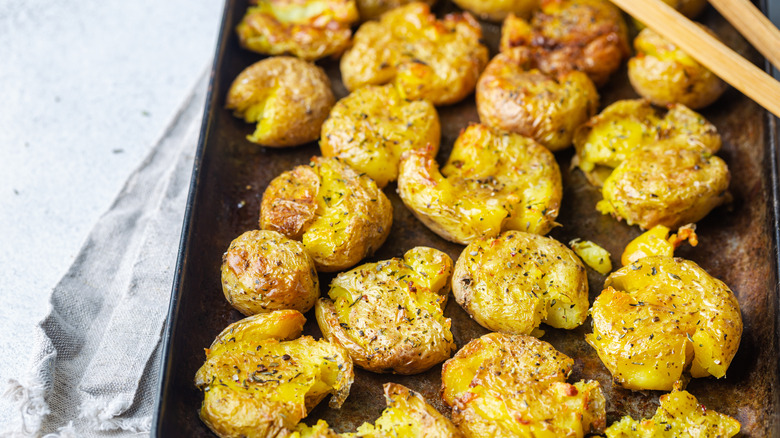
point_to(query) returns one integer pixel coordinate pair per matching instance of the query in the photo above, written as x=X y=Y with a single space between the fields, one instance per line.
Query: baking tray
x=738 y=244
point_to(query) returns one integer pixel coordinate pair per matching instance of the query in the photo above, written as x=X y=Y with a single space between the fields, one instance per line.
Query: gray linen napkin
x=97 y=353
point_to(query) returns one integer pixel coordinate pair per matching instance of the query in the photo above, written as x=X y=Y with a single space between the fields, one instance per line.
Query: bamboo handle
x=753 y=25
x=710 y=52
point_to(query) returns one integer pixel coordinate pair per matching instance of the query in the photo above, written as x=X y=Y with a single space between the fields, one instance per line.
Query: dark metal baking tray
x=738 y=245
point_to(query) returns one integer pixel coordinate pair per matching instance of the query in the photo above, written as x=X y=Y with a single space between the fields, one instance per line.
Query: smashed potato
x=339 y=215
x=679 y=416
x=372 y=9
x=656 y=241
x=593 y=255
x=308 y=29
x=264 y=271
x=493 y=181
x=514 y=95
x=515 y=385
x=497 y=10
x=660 y=317
x=665 y=184
x=426 y=58
x=257 y=383
x=373 y=126
x=662 y=73
x=287 y=97
x=514 y=282
x=625 y=126
x=390 y=315
x=586 y=35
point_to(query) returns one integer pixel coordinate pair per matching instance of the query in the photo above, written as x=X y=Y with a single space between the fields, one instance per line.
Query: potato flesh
x=593 y=255
x=661 y=317
x=372 y=9
x=679 y=416
x=497 y=10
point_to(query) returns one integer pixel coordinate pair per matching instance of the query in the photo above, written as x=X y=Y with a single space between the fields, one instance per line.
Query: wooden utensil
x=753 y=25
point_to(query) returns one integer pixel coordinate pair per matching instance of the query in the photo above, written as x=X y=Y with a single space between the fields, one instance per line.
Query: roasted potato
x=586 y=35
x=319 y=430
x=515 y=385
x=340 y=215
x=264 y=271
x=689 y=8
x=497 y=10
x=513 y=282
x=426 y=58
x=493 y=181
x=259 y=383
x=308 y=29
x=596 y=257
x=656 y=241
x=625 y=126
x=664 y=74
x=679 y=416
x=665 y=184
x=660 y=317
x=514 y=95
x=372 y=9
x=287 y=97
x=390 y=315
x=373 y=126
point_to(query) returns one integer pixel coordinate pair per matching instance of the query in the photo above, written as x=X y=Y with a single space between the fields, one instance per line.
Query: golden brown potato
x=264 y=271
x=660 y=317
x=656 y=241
x=665 y=184
x=493 y=181
x=515 y=385
x=390 y=315
x=514 y=282
x=625 y=126
x=514 y=95
x=288 y=98
x=259 y=383
x=308 y=29
x=373 y=126
x=497 y=10
x=426 y=58
x=664 y=74
x=596 y=257
x=339 y=215
x=319 y=430
x=586 y=35
x=372 y=9
x=679 y=416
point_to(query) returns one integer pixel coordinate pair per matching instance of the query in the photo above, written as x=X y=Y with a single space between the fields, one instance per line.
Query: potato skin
x=372 y=9
x=264 y=271
x=586 y=35
x=660 y=315
x=664 y=74
x=604 y=141
x=493 y=181
x=513 y=282
x=374 y=125
x=514 y=95
x=338 y=214
x=665 y=184
x=426 y=58
x=287 y=97
x=390 y=315
x=241 y=399
x=497 y=10
x=307 y=29
x=515 y=385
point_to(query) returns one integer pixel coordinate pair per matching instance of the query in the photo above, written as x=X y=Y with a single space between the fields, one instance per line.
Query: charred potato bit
x=660 y=317
x=426 y=58
x=258 y=383
x=514 y=95
x=515 y=385
x=372 y=9
x=308 y=29
x=373 y=126
x=585 y=35
x=264 y=271
x=339 y=215
x=679 y=416
x=288 y=98
x=625 y=126
x=664 y=74
x=497 y=10
x=515 y=281
x=493 y=181
x=665 y=184
x=390 y=315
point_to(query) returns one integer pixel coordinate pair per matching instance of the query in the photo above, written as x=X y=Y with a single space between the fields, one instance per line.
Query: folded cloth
x=97 y=353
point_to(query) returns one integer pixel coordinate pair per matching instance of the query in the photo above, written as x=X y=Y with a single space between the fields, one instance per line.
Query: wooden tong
x=713 y=54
